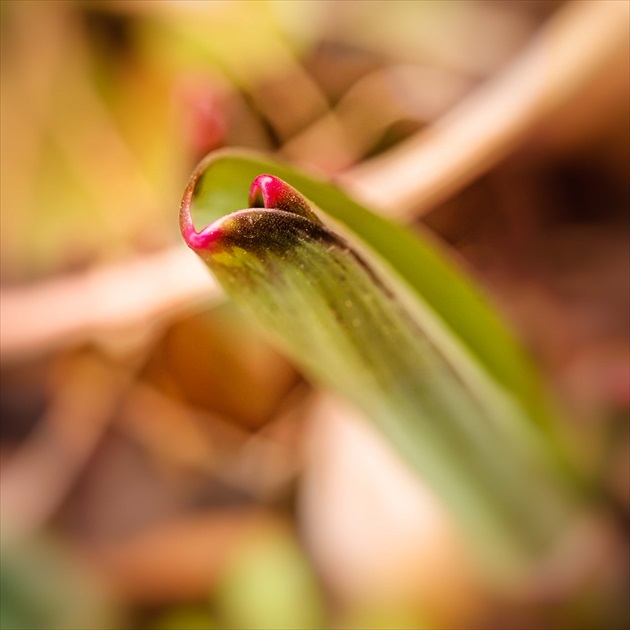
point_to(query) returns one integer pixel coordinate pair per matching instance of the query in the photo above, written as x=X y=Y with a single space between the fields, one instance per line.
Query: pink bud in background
x=202 y=115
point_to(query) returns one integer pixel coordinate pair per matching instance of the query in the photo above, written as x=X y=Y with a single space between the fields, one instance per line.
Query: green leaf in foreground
x=455 y=305
x=331 y=311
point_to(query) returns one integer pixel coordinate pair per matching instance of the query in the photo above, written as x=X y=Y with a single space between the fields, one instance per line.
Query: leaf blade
x=330 y=311
x=418 y=259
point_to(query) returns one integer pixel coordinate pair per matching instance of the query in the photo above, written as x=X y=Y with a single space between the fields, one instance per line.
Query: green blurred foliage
x=185 y=618
x=270 y=585
x=43 y=587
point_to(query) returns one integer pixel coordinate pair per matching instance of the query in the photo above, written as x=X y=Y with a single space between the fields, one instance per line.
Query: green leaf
x=405 y=362
x=221 y=184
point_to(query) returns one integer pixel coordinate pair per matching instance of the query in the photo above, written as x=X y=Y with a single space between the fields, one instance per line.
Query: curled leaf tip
x=200 y=240
x=268 y=224
x=268 y=191
x=197 y=241
x=266 y=194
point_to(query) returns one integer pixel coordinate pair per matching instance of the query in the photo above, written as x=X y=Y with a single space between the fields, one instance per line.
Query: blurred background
x=161 y=466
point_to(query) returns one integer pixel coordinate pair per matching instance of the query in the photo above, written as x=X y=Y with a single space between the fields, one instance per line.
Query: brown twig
x=132 y=296
x=572 y=50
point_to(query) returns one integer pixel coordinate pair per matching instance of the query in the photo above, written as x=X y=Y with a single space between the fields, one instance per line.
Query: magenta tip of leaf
x=270 y=192
x=195 y=240
x=201 y=240
x=267 y=191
